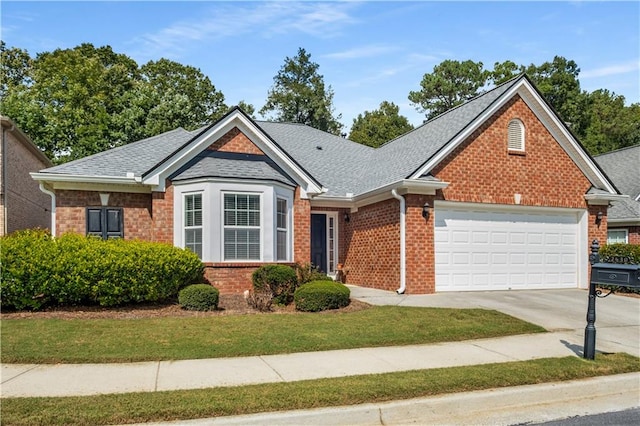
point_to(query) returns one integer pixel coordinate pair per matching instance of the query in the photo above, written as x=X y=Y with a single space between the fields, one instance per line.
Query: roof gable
x=482 y=108
x=211 y=136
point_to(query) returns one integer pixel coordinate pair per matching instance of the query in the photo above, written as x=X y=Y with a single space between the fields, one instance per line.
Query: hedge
x=39 y=270
x=625 y=250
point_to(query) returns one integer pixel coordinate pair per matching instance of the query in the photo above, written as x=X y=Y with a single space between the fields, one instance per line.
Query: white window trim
x=185 y=228
x=521 y=142
x=213 y=215
x=626 y=234
x=336 y=239
x=260 y=228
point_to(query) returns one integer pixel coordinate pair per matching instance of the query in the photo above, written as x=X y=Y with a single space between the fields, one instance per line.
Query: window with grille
x=193 y=223
x=615 y=236
x=516 y=136
x=105 y=222
x=281 y=230
x=242 y=227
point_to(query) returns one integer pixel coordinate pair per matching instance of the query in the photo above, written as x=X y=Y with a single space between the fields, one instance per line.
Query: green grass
x=128 y=340
x=215 y=402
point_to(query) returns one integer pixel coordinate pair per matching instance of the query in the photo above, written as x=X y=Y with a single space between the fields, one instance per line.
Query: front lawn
x=215 y=402
x=172 y=338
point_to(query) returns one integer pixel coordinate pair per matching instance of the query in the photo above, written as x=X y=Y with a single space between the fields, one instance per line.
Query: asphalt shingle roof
x=137 y=157
x=232 y=165
x=340 y=165
x=623 y=168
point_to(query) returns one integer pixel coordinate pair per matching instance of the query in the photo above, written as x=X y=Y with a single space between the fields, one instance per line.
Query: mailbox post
x=604 y=273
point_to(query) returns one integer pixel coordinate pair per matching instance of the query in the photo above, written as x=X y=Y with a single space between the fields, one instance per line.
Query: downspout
x=53 y=207
x=4 y=177
x=403 y=270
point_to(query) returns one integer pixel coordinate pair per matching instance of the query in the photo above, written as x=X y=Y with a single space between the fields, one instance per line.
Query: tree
x=175 y=95
x=450 y=84
x=611 y=125
x=299 y=95
x=67 y=109
x=77 y=102
x=505 y=71
x=379 y=126
x=15 y=66
x=249 y=109
x=558 y=82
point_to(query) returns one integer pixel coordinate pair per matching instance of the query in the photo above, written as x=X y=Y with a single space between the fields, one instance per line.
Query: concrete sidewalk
x=91 y=379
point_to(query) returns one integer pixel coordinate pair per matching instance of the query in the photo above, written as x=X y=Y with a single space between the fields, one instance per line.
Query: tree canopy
x=600 y=119
x=379 y=126
x=80 y=101
x=450 y=84
x=299 y=95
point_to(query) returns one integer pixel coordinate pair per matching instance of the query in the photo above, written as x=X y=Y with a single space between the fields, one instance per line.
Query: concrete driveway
x=617 y=317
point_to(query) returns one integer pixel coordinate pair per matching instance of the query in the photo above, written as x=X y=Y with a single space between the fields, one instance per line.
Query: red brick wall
x=235 y=141
x=162 y=214
x=26 y=206
x=372 y=240
x=420 y=249
x=71 y=212
x=634 y=235
x=301 y=228
x=231 y=278
x=482 y=170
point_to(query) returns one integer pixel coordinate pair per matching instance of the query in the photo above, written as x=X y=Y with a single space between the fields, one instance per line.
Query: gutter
x=403 y=270
x=53 y=207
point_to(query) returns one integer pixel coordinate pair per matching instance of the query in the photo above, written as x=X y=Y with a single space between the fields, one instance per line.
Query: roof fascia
x=624 y=222
x=91 y=183
x=156 y=177
x=603 y=199
x=404 y=186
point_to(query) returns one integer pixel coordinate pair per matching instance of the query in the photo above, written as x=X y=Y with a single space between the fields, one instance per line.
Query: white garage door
x=501 y=249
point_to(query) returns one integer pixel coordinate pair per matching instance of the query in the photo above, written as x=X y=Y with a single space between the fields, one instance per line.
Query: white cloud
x=362 y=52
x=224 y=20
x=610 y=70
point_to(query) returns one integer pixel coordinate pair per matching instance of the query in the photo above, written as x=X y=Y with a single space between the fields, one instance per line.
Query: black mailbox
x=614 y=274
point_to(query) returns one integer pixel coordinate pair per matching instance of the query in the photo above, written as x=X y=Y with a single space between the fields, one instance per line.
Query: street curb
x=502 y=406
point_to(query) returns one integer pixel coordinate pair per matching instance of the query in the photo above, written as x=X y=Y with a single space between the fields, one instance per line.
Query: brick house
x=494 y=194
x=22 y=204
x=623 y=167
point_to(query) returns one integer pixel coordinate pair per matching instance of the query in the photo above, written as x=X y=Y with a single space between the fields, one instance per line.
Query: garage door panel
x=484 y=250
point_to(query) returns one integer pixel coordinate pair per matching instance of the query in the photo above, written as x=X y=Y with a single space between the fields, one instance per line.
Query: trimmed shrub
x=280 y=280
x=609 y=252
x=199 y=297
x=624 y=250
x=307 y=273
x=318 y=296
x=39 y=271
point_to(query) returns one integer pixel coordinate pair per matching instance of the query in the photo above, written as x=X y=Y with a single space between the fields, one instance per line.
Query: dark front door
x=319 y=241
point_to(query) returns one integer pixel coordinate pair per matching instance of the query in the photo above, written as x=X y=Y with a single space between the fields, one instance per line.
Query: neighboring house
x=22 y=204
x=494 y=194
x=623 y=167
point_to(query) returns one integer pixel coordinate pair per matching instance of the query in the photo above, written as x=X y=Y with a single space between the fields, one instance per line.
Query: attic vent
x=318 y=147
x=516 y=136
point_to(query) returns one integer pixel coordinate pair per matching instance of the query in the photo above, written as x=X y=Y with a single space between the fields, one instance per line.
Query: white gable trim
x=237 y=119
x=547 y=117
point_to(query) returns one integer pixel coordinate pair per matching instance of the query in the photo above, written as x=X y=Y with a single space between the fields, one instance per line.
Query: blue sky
x=368 y=51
